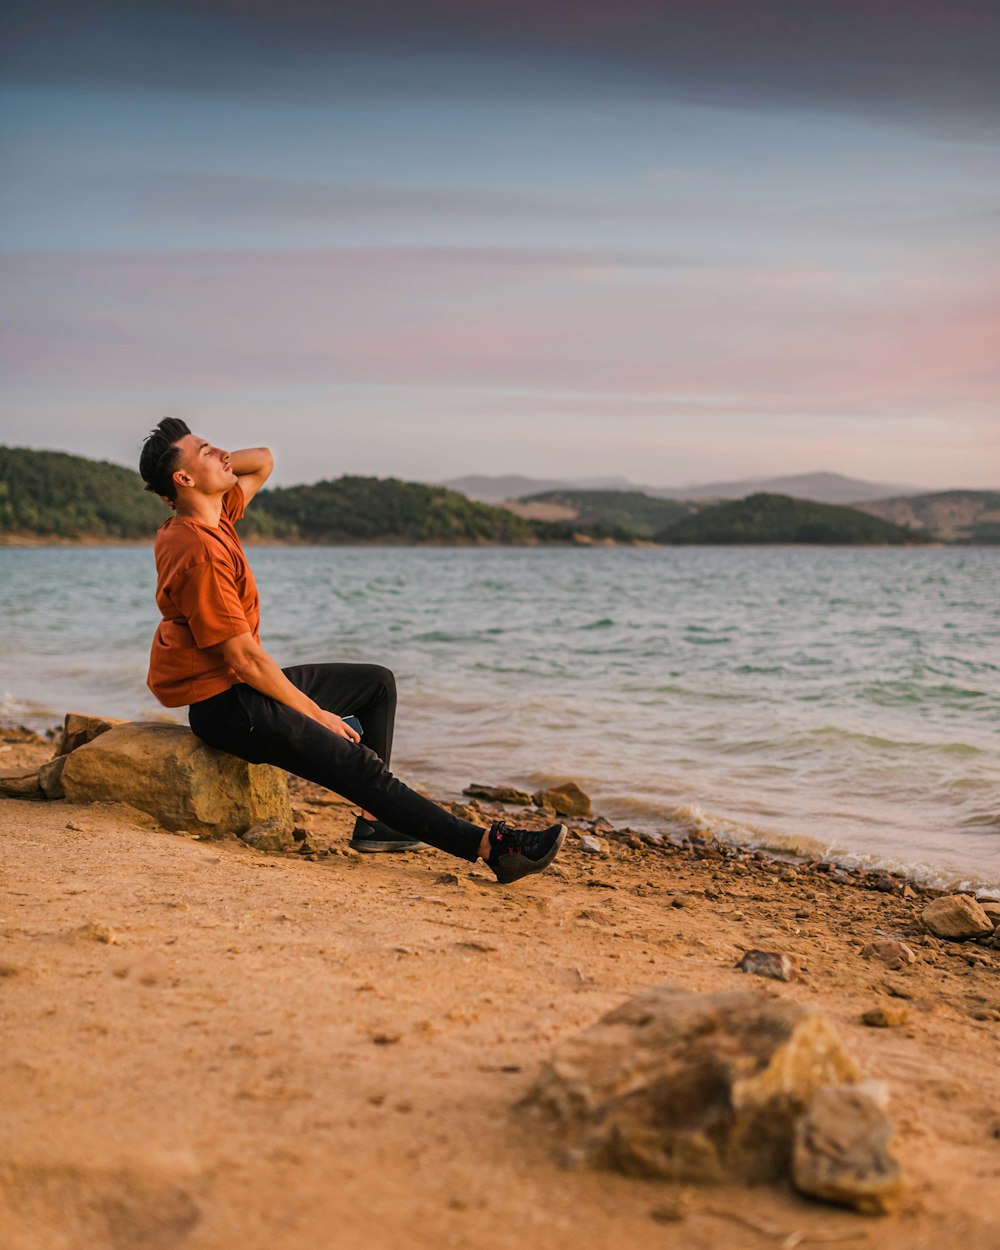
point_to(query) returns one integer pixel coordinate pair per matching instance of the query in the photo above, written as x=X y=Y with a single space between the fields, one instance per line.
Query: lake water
x=840 y=700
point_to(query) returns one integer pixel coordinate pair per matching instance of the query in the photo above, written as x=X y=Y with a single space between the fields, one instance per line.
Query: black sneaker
x=515 y=853
x=373 y=835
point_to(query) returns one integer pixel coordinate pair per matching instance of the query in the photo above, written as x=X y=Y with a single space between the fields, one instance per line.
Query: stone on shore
x=893 y=954
x=592 y=845
x=689 y=1086
x=499 y=794
x=272 y=836
x=992 y=911
x=168 y=772
x=843 y=1151
x=886 y=1016
x=79 y=729
x=21 y=786
x=566 y=799
x=956 y=916
x=50 y=777
x=773 y=964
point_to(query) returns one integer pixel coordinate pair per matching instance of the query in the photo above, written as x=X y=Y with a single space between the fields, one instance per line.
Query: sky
x=674 y=241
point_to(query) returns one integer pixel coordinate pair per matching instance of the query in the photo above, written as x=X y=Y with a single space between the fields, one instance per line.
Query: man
x=207 y=655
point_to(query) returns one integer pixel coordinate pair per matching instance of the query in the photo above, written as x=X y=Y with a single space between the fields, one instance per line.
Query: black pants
x=257 y=728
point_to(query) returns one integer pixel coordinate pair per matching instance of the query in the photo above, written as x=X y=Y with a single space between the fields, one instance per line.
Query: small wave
x=604 y=623
x=693 y=819
x=835 y=734
x=442 y=635
x=28 y=712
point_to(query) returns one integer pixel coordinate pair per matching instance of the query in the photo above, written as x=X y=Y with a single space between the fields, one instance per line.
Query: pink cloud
x=569 y=320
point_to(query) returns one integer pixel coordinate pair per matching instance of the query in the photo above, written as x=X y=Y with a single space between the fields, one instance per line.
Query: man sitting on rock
x=207 y=655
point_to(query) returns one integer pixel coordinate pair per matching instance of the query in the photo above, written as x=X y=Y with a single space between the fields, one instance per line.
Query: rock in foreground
x=843 y=1151
x=166 y=771
x=691 y=1087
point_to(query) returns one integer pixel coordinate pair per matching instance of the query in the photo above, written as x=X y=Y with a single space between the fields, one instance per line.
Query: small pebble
x=889 y=1016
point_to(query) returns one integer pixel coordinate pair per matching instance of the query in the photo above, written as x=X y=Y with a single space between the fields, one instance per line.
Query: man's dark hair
x=158 y=460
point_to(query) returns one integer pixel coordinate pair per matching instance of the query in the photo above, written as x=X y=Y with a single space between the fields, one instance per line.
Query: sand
x=205 y=1046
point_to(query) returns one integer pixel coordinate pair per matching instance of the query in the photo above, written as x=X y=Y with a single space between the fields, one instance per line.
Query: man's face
x=206 y=466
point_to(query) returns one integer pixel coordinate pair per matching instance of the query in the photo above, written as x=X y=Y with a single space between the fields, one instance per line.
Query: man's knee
x=384 y=677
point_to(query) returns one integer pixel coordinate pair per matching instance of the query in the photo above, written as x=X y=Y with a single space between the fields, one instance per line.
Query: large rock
x=691 y=1087
x=956 y=916
x=166 y=771
x=843 y=1151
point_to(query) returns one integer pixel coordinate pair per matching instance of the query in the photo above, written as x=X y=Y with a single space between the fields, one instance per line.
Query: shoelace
x=512 y=840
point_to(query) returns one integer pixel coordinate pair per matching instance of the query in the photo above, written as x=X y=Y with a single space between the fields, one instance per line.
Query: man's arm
x=253 y=467
x=251 y=664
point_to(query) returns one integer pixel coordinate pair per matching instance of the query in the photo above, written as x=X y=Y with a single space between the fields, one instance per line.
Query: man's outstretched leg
x=246 y=723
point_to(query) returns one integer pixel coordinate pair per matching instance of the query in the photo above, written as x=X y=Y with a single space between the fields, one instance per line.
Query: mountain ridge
x=820 y=486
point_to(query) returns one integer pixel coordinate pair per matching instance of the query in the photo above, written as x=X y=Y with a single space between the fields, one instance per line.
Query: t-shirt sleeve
x=207 y=597
x=234 y=503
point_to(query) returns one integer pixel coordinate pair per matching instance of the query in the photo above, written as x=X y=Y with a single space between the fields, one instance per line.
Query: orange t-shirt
x=206 y=593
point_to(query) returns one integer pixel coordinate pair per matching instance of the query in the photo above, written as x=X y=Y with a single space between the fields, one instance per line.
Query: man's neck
x=197 y=507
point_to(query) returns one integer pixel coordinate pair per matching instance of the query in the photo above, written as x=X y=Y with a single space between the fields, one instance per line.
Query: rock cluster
x=163 y=770
x=708 y=1087
x=565 y=799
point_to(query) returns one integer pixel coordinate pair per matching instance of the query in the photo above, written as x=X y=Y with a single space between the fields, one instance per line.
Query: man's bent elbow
x=242 y=655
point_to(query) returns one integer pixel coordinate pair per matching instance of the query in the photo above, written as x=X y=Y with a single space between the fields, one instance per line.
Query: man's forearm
x=261 y=672
x=250 y=460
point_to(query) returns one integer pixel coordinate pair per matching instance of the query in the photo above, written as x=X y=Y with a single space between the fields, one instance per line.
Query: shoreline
x=38 y=541
x=252 y=1048
x=674 y=829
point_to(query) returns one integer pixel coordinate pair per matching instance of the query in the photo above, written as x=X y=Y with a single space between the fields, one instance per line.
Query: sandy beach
x=208 y=1046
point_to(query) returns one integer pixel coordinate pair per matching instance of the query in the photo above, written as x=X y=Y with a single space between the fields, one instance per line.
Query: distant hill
x=962 y=516
x=622 y=513
x=512 y=486
x=820 y=487
x=770 y=518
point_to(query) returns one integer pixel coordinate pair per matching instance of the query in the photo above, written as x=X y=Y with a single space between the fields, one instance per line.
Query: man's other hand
x=336 y=725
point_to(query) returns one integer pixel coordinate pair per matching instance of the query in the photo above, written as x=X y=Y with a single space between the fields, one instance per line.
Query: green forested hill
x=52 y=494
x=765 y=518
x=371 y=509
x=623 y=514
x=62 y=497
x=55 y=495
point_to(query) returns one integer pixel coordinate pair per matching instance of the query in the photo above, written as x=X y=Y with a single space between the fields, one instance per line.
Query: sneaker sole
x=536 y=865
x=368 y=847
